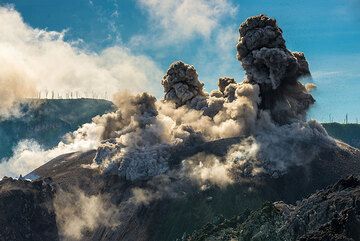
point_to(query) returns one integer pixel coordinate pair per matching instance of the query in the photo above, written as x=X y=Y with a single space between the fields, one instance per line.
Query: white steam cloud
x=35 y=60
x=181 y=20
x=29 y=155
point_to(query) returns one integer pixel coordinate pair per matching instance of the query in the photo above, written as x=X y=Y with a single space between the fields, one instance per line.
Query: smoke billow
x=207 y=169
x=266 y=112
x=29 y=155
x=181 y=84
x=310 y=86
x=14 y=87
x=77 y=213
x=268 y=63
x=142 y=134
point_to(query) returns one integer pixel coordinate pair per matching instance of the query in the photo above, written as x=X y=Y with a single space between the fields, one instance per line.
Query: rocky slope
x=26 y=210
x=332 y=214
x=170 y=218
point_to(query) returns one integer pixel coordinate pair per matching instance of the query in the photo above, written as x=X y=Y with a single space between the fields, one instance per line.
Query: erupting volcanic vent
x=265 y=113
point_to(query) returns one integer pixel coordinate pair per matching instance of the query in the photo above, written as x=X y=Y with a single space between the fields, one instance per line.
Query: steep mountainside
x=170 y=218
x=46 y=121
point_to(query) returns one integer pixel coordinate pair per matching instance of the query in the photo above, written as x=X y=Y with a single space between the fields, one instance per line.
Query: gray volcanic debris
x=267 y=62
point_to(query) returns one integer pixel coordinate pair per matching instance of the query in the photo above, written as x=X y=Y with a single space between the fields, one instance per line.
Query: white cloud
x=217 y=56
x=29 y=155
x=181 y=20
x=34 y=59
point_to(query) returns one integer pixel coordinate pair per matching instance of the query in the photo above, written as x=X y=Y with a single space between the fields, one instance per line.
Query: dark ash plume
x=268 y=63
x=181 y=84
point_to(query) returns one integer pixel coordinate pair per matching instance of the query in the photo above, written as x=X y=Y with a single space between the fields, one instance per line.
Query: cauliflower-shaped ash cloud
x=264 y=114
x=258 y=32
x=181 y=83
x=267 y=62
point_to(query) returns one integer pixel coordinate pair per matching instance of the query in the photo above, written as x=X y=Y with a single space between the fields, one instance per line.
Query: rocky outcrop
x=332 y=214
x=26 y=210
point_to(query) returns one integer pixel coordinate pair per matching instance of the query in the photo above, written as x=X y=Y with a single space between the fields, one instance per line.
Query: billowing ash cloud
x=268 y=63
x=142 y=135
x=181 y=84
x=225 y=82
x=258 y=123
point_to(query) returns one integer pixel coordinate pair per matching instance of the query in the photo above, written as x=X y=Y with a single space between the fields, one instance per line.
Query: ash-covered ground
x=163 y=168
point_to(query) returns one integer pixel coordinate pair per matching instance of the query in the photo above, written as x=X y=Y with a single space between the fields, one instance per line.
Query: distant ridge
x=348 y=133
x=47 y=120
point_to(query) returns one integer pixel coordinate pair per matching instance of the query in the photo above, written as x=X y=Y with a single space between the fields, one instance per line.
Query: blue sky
x=205 y=35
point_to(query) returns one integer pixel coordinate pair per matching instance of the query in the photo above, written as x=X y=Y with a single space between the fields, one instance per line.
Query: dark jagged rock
x=26 y=210
x=332 y=214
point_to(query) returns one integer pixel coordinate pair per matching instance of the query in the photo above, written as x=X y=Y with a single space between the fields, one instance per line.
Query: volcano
x=166 y=168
